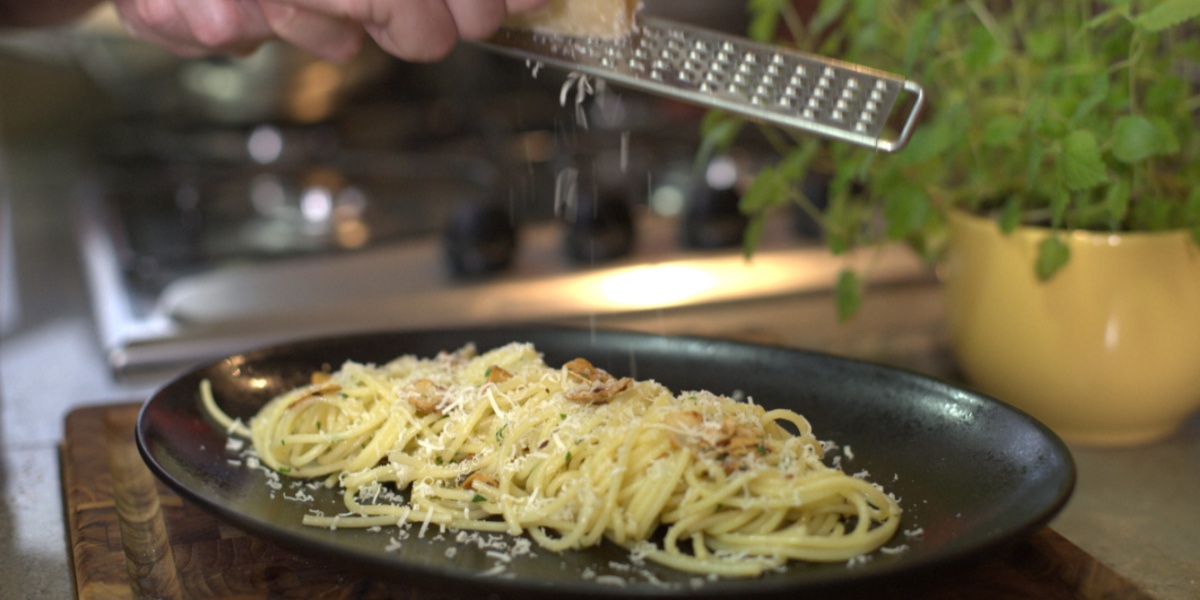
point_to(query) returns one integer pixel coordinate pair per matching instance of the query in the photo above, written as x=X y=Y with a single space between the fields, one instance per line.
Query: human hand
x=415 y=30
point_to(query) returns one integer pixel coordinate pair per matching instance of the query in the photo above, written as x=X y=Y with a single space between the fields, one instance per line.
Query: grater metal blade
x=770 y=84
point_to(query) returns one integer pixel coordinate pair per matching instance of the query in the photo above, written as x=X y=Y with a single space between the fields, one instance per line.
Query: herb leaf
x=1136 y=138
x=1081 y=167
x=1116 y=201
x=1001 y=130
x=1053 y=255
x=1168 y=14
x=1010 y=216
x=768 y=190
x=906 y=209
x=849 y=294
x=719 y=130
x=765 y=23
x=753 y=234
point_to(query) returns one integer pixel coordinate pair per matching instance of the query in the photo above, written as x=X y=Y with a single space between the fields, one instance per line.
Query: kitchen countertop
x=1134 y=509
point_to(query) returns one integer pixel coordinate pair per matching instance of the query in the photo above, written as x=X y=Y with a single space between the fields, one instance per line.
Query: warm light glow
x=658 y=285
x=352 y=233
x=534 y=147
x=313 y=94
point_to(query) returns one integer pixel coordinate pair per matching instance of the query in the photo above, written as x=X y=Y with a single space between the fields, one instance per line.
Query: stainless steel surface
x=775 y=85
x=197 y=240
x=403 y=285
x=1134 y=509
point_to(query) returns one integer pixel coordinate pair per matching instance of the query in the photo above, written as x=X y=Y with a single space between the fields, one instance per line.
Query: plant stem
x=795 y=24
x=988 y=20
x=776 y=140
x=806 y=204
x=1136 y=47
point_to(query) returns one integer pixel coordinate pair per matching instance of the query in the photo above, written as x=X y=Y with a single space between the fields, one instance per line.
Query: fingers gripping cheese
x=580 y=18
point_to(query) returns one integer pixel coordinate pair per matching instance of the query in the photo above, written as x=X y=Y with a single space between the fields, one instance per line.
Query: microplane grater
x=769 y=84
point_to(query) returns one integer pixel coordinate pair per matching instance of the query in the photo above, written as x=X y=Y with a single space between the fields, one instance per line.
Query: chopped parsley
x=478 y=498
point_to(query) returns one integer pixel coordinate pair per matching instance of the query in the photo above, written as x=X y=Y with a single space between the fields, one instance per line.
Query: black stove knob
x=712 y=218
x=480 y=240
x=600 y=229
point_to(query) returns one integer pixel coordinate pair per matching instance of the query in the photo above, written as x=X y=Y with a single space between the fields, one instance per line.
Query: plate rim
x=372 y=562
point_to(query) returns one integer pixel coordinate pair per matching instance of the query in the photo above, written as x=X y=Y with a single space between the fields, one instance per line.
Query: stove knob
x=713 y=220
x=600 y=230
x=480 y=240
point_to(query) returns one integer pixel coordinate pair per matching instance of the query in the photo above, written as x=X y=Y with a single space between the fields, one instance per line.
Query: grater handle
x=910 y=121
x=765 y=83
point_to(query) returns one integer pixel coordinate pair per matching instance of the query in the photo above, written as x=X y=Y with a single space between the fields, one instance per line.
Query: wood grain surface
x=132 y=537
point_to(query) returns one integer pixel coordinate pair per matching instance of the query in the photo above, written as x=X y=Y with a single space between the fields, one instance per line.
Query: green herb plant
x=1072 y=114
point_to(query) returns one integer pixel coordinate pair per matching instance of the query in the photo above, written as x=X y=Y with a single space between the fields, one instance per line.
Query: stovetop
x=428 y=211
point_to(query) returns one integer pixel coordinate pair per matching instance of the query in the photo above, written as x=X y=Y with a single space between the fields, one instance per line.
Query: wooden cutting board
x=131 y=537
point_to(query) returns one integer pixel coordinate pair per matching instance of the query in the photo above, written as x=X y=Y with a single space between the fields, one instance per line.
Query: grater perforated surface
x=777 y=85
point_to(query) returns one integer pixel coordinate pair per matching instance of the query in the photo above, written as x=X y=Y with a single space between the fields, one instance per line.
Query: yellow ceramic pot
x=1107 y=352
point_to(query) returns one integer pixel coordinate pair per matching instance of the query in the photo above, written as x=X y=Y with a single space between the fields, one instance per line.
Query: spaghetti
x=503 y=442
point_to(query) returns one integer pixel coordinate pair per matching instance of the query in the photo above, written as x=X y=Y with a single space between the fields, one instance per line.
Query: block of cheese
x=610 y=19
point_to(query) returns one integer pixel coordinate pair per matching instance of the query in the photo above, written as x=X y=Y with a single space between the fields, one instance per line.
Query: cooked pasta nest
x=569 y=456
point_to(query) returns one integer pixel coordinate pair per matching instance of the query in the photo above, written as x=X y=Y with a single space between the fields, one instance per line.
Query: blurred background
x=223 y=203
x=158 y=212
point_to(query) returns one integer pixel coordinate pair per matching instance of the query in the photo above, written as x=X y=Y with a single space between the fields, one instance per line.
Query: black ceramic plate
x=971 y=473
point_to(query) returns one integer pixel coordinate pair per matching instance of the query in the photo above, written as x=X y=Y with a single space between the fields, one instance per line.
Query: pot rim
x=1086 y=236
